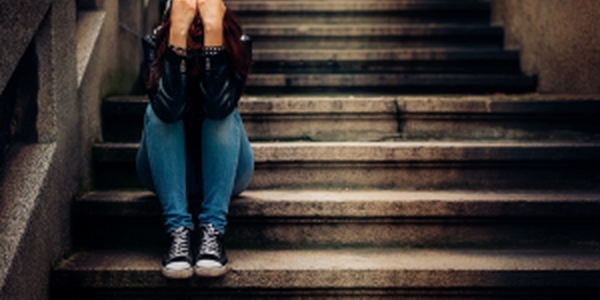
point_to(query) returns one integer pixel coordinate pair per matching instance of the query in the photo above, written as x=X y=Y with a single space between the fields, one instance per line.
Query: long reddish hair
x=237 y=54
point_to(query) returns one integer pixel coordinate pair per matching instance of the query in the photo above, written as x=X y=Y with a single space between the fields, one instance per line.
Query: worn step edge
x=353 y=6
x=366 y=268
x=364 y=204
x=432 y=54
x=390 y=80
x=389 y=152
x=371 y=30
x=392 y=104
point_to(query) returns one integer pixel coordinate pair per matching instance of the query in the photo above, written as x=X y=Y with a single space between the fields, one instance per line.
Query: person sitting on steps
x=193 y=141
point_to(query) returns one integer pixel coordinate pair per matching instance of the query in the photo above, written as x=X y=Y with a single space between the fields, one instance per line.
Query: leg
x=162 y=165
x=227 y=166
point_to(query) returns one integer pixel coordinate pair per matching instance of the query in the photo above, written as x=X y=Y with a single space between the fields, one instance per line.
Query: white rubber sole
x=178 y=274
x=214 y=272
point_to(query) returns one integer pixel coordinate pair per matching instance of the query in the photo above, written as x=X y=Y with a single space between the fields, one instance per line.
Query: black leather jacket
x=216 y=95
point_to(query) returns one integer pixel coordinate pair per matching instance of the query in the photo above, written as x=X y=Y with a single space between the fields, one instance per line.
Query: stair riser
x=388 y=42
x=531 y=233
x=380 y=119
x=421 y=176
x=300 y=127
x=389 y=127
x=414 y=67
x=382 y=83
x=366 y=18
x=320 y=294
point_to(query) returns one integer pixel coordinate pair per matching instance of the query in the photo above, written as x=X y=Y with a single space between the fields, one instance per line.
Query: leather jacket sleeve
x=168 y=99
x=220 y=88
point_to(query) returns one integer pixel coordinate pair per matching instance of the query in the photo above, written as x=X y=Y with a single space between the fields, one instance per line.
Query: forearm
x=168 y=98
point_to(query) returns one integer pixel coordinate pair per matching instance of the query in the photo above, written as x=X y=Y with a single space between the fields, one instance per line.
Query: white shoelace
x=180 y=246
x=209 y=242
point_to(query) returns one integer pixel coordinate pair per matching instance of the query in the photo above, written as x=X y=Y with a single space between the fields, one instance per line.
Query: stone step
x=357 y=6
x=386 y=60
x=396 y=165
x=294 y=219
x=373 y=36
x=375 y=118
x=260 y=84
x=356 y=274
x=355 y=12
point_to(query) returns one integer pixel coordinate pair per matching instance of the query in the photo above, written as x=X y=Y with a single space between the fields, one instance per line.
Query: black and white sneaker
x=211 y=260
x=177 y=263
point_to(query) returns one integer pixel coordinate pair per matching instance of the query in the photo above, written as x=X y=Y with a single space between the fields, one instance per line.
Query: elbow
x=166 y=109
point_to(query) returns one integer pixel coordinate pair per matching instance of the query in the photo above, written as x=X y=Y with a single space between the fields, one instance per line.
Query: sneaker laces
x=180 y=245
x=210 y=245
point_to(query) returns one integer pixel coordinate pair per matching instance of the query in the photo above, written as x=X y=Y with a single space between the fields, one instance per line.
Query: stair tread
x=417 y=151
x=327 y=104
x=365 y=204
x=389 y=79
x=439 y=54
x=370 y=30
x=361 y=268
x=354 y=6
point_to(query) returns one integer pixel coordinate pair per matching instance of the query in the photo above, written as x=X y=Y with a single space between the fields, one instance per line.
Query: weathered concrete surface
x=420 y=54
x=37 y=220
x=559 y=41
x=352 y=269
x=22 y=19
x=40 y=179
x=323 y=152
x=294 y=219
x=366 y=203
x=396 y=165
x=351 y=6
x=383 y=118
x=360 y=12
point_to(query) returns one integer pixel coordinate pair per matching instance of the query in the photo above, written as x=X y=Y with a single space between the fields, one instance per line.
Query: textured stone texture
x=376 y=269
x=350 y=6
x=21 y=19
x=397 y=165
x=40 y=179
x=293 y=219
x=369 y=203
x=384 y=118
x=558 y=40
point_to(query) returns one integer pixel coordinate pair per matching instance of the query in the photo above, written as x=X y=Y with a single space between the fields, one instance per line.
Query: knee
x=220 y=129
x=151 y=120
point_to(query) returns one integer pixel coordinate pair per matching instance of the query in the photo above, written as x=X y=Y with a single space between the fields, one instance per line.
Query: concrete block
x=364 y=273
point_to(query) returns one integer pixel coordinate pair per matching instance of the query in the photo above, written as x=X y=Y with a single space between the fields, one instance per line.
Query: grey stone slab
x=516 y=104
x=355 y=30
x=366 y=204
x=300 y=219
x=422 y=151
x=359 y=269
x=19 y=22
x=394 y=82
x=417 y=54
x=396 y=165
x=365 y=152
x=393 y=117
x=89 y=26
x=353 y=6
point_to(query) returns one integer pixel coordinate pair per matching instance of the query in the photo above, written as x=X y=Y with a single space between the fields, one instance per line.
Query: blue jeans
x=165 y=166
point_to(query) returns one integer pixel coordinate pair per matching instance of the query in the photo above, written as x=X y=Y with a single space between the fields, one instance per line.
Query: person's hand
x=212 y=12
x=182 y=16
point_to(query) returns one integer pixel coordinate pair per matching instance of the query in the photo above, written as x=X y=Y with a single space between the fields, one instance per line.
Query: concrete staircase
x=363 y=193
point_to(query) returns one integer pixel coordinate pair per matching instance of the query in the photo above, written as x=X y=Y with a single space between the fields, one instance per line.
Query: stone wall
x=67 y=50
x=559 y=41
